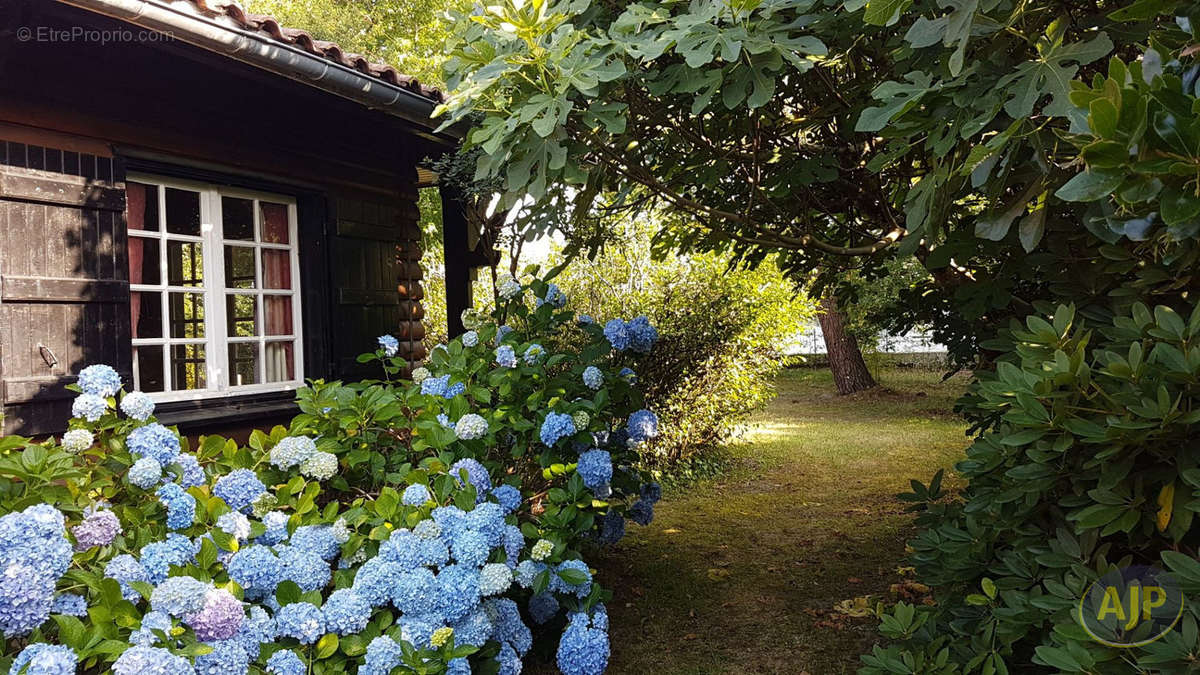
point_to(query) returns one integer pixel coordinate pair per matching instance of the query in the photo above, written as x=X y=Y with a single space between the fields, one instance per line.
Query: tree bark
x=850 y=372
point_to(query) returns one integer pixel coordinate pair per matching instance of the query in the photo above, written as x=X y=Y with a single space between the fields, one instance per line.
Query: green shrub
x=723 y=331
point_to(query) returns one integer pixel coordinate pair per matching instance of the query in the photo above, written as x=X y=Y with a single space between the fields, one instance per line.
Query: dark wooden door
x=64 y=291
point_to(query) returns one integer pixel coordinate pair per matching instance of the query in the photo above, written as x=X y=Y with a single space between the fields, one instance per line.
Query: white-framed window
x=214 y=281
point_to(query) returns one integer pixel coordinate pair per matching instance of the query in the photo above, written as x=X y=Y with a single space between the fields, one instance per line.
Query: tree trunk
x=850 y=372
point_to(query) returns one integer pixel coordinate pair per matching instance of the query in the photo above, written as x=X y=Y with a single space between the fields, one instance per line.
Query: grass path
x=739 y=575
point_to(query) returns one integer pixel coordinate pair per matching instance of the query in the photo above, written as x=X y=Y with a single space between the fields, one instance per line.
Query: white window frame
x=216 y=338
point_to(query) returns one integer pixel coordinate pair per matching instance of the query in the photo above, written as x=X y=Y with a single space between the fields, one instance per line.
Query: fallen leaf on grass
x=717 y=574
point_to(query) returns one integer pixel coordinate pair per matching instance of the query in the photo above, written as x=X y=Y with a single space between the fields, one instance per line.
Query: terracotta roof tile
x=269 y=26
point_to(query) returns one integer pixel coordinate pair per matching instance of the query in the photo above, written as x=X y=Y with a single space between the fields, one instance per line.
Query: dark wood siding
x=64 y=291
x=376 y=278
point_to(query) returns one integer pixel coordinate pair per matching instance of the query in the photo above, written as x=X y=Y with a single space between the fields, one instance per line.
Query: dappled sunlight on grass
x=740 y=574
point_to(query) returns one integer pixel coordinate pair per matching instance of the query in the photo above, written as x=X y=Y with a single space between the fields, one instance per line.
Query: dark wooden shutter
x=376 y=277
x=64 y=290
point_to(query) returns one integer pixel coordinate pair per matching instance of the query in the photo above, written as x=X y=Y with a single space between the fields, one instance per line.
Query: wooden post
x=457 y=260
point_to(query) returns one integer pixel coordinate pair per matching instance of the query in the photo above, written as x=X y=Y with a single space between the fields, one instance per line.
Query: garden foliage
x=428 y=526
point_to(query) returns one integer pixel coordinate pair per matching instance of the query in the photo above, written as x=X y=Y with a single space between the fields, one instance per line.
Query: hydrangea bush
x=125 y=550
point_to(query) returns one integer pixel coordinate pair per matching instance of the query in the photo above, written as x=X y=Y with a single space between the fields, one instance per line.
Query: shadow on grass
x=741 y=574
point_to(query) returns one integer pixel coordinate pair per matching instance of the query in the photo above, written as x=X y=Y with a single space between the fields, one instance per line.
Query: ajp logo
x=1131 y=606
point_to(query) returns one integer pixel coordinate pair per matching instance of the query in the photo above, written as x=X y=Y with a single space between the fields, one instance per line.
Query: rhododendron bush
x=492 y=472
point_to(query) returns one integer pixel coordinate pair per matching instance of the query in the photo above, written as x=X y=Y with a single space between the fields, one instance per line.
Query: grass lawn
x=741 y=574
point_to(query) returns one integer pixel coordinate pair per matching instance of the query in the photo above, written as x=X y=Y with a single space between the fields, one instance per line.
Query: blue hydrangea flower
x=459 y=666
x=276 y=523
x=415 y=495
x=595 y=468
x=509 y=660
x=470 y=548
x=505 y=358
x=403 y=548
x=651 y=492
x=458 y=589
x=507 y=624
x=292 y=451
x=508 y=496
x=178 y=596
x=191 y=474
x=417 y=629
x=612 y=527
x=219 y=619
x=181 y=507
x=554 y=297
x=642 y=512
x=475 y=629
x=346 y=612
x=316 y=539
x=453 y=390
x=471 y=426
x=584 y=320
x=444 y=420
x=494 y=579
x=557 y=426
x=593 y=378
x=642 y=335
x=533 y=354
x=435 y=386
x=71 y=604
x=302 y=621
x=642 y=426
x=145 y=473
x=503 y=332
x=628 y=375
x=617 y=334
x=89 y=407
x=560 y=585
x=527 y=572
x=416 y=592
x=488 y=520
x=285 y=662
x=153 y=440
x=433 y=552
x=257 y=629
x=137 y=405
x=151 y=661
x=152 y=621
x=157 y=557
x=513 y=542
x=125 y=569
x=234 y=524
x=239 y=489
x=40 y=658
x=389 y=344
x=307 y=570
x=477 y=475
x=427 y=529
x=99 y=380
x=583 y=650
x=375 y=579
x=470 y=338
x=543 y=607
x=98 y=528
x=26 y=597
x=228 y=657
x=383 y=655
x=451 y=519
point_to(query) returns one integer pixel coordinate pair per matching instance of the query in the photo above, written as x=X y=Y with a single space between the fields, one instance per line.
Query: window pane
x=185 y=263
x=279 y=314
x=274 y=223
x=241 y=314
x=277 y=269
x=239 y=267
x=148 y=368
x=186 y=315
x=144 y=261
x=183 y=212
x=243 y=364
x=188 y=367
x=145 y=310
x=142 y=202
x=281 y=365
x=237 y=215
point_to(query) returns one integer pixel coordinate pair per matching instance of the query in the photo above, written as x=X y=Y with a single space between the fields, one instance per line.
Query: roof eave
x=279 y=58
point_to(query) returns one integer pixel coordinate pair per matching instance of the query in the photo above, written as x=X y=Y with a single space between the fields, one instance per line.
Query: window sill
x=215 y=414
